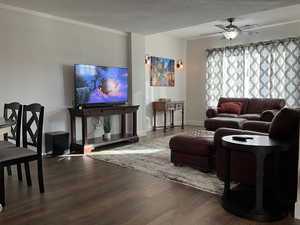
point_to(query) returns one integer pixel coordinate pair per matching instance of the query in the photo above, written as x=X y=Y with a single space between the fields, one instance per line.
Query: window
x=261 y=70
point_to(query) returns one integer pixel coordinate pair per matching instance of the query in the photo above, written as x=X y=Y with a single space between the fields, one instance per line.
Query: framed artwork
x=162 y=72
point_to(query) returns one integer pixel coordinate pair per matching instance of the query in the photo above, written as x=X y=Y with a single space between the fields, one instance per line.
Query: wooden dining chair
x=32 y=129
x=13 y=111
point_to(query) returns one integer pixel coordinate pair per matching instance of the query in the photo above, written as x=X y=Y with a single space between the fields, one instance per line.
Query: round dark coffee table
x=258 y=205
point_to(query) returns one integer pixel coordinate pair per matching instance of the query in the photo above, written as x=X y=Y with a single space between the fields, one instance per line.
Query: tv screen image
x=100 y=84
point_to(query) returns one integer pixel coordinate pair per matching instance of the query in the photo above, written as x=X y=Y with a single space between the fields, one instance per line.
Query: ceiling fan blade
x=248 y=27
x=214 y=33
x=249 y=32
x=221 y=26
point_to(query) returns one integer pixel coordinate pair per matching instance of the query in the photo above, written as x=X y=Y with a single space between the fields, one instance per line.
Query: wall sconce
x=179 y=64
x=147 y=60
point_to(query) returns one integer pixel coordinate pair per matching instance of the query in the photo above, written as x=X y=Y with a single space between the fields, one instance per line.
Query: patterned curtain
x=260 y=70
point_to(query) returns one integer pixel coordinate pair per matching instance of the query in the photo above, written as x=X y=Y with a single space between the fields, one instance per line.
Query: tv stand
x=87 y=145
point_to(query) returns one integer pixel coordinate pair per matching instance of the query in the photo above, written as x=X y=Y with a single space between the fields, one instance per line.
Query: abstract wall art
x=162 y=72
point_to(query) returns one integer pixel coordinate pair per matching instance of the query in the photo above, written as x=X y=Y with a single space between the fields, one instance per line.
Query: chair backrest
x=258 y=105
x=32 y=126
x=285 y=125
x=13 y=111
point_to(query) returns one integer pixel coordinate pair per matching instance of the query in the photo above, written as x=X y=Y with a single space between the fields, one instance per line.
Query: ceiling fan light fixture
x=231 y=34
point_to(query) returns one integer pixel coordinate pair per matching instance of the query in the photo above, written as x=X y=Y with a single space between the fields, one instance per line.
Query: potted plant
x=107 y=128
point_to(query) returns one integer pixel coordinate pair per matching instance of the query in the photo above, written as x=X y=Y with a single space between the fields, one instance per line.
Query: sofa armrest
x=258 y=126
x=211 y=112
x=221 y=132
x=268 y=115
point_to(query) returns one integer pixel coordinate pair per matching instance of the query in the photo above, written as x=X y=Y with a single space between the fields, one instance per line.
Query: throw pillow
x=231 y=107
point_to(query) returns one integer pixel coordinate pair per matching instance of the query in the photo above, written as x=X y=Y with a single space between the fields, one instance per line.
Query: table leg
x=73 y=128
x=84 y=130
x=2 y=188
x=260 y=158
x=172 y=118
x=182 y=119
x=276 y=177
x=165 y=121
x=134 y=125
x=123 y=125
x=154 y=120
x=227 y=174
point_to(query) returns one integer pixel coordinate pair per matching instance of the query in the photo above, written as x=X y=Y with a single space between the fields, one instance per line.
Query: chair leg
x=40 y=175
x=27 y=173
x=9 y=173
x=2 y=187
x=20 y=177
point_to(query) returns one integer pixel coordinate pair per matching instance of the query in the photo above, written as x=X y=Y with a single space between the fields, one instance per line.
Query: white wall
x=138 y=84
x=37 y=56
x=167 y=47
x=196 y=63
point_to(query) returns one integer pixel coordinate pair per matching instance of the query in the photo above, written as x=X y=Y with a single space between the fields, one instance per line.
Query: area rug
x=153 y=157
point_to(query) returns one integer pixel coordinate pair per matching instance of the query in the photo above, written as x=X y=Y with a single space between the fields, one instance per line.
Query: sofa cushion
x=250 y=116
x=258 y=126
x=227 y=115
x=258 y=105
x=231 y=107
x=285 y=124
x=213 y=124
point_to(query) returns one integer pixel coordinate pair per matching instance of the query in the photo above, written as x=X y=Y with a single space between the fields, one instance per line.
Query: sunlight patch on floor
x=127 y=152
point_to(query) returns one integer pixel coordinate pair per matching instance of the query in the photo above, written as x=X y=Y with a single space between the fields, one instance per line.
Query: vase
x=107 y=136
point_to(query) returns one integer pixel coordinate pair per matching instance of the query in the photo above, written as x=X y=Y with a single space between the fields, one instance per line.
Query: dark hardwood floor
x=80 y=190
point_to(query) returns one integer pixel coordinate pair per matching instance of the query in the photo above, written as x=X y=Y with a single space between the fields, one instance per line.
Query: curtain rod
x=257 y=43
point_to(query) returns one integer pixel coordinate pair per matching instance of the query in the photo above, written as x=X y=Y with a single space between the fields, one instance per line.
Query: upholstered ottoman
x=194 y=151
x=213 y=124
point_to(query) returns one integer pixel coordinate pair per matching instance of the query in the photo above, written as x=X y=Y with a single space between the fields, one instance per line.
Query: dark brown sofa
x=259 y=109
x=285 y=126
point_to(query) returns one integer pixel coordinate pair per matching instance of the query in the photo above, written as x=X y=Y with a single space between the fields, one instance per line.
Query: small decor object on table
x=107 y=128
x=258 y=204
x=164 y=99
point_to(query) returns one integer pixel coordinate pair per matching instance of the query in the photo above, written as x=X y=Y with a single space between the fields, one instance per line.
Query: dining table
x=5 y=125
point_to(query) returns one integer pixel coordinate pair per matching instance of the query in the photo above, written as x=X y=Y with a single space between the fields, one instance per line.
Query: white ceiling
x=264 y=19
x=148 y=16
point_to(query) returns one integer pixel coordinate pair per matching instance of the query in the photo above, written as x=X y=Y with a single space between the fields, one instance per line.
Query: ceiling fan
x=231 y=31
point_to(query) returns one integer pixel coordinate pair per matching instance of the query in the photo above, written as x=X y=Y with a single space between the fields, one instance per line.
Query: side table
x=258 y=205
x=171 y=106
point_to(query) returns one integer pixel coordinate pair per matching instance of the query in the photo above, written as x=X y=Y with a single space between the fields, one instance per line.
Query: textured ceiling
x=284 y=15
x=148 y=16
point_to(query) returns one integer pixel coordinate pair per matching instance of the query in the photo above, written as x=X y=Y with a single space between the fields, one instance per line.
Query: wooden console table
x=87 y=145
x=164 y=107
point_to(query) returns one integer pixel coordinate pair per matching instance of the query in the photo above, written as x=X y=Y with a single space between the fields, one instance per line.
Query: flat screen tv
x=99 y=85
